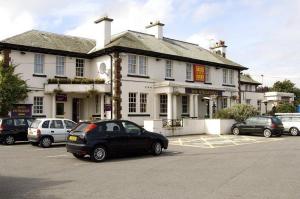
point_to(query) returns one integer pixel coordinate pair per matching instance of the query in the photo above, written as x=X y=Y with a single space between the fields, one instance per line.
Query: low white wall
x=191 y=126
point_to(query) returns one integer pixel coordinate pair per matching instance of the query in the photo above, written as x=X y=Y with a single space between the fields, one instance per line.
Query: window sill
x=209 y=83
x=163 y=114
x=189 y=81
x=228 y=85
x=39 y=75
x=185 y=114
x=138 y=76
x=169 y=79
x=60 y=77
x=138 y=115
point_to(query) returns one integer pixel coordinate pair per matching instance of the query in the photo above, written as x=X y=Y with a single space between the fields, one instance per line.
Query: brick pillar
x=6 y=58
x=116 y=92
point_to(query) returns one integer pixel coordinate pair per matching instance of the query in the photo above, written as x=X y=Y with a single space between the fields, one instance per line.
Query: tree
x=285 y=108
x=284 y=86
x=12 y=88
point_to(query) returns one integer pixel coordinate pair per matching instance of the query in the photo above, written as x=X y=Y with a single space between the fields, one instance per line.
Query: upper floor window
x=60 y=65
x=169 y=69
x=207 y=74
x=39 y=63
x=228 y=76
x=79 y=67
x=137 y=65
x=189 y=72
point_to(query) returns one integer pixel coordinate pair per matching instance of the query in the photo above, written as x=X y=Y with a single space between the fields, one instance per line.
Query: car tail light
x=89 y=128
x=273 y=125
x=1 y=127
x=38 y=133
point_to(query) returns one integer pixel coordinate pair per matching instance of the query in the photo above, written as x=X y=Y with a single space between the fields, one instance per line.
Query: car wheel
x=294 y=131
x=98 y=154
x=79 y=156
x=157 y=148
x=34 y=143
x=9 y=140
x=235 y=131
x=267 y=133
x=46 y=142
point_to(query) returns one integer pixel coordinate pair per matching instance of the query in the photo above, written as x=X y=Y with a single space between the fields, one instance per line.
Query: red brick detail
x=117 y=108
x=6 y=58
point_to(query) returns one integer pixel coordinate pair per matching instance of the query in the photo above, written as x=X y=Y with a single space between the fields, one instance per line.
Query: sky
x=263 y=35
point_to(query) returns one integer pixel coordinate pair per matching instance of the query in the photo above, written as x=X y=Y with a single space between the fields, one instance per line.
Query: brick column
x=116 y=92
x=6 y=58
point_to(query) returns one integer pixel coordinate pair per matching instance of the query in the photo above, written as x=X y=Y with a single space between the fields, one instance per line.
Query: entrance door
x=75 y=109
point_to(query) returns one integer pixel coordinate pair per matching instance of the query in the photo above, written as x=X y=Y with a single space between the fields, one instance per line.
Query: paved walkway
x=215 y=141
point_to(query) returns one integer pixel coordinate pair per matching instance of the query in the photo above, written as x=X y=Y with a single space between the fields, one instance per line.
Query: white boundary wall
x=191 y=126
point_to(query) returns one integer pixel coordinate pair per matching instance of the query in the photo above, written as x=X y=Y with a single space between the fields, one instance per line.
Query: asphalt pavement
x=265 y=168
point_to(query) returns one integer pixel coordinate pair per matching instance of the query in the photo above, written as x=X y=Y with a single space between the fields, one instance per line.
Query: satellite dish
x=102 y=68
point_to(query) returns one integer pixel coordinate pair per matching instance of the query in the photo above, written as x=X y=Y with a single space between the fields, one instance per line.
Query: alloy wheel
x=236 y=131
x=157 y=148
x=267 y=133
x=46 y=142
x=99 y=154
x=294 y=131
x=9 y=140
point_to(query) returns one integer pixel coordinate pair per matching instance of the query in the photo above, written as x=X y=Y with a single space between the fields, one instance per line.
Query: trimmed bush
x=238 y=112
x=285 y=108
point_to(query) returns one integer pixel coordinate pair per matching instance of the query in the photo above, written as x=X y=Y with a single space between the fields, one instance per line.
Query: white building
x=133 y=75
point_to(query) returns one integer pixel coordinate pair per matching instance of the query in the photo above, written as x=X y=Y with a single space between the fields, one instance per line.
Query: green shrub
x=285 y=108
x=238 y=112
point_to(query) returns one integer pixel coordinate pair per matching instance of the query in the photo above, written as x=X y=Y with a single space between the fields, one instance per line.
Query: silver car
x=291 y=123
x=46 y=131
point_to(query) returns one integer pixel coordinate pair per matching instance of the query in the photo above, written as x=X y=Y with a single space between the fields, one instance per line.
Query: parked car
x=14 y=129
x=291 y=123
x=266 y=125
x=46 y=131
x=102 y=138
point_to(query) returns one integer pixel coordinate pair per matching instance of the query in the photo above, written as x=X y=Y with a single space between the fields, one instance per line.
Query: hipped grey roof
x=128 y=39
x=245 y=78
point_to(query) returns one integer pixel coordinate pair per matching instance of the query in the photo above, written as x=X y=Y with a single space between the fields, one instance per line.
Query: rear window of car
x=35 y=123
x=276 y=120
x=7 y=122
x=20 y=122
x=80 y=127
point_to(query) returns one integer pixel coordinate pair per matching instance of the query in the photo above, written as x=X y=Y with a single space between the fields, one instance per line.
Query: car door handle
x=52 y=131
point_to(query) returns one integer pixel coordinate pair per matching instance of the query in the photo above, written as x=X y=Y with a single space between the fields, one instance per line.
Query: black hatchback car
x=14 y=129
x=266 y=125
x=103 y=138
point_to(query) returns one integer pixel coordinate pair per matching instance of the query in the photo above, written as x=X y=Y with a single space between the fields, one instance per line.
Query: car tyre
x=78 y=156
x=267 y=133
x=46 y=142
x=156 y=148
x=294 y=131
x=235 y=131
x=9 y=140
x=98 y=154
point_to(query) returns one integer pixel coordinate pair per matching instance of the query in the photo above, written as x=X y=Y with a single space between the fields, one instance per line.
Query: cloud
x=207 y=11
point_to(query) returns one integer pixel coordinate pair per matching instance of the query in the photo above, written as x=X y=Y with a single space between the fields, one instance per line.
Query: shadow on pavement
x=26 y=188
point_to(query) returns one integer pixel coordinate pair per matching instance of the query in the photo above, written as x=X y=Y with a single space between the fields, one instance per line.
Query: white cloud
x=203 y=39
x=208 y=10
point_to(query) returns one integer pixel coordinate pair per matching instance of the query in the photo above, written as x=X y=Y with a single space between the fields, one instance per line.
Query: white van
x=46 y=131
x=291 y=123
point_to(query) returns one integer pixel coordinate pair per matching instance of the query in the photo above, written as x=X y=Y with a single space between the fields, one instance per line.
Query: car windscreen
x=80 y=127
x=35 y=123
x=276 y=120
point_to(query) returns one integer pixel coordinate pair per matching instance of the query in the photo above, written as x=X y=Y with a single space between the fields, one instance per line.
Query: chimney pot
x=156 y=28
x=104 y=31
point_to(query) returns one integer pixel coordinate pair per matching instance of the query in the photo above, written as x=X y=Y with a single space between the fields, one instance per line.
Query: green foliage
x=12 y=88
x=284 y=86
x=75 y=81
x=238 y=112
x=285 y=108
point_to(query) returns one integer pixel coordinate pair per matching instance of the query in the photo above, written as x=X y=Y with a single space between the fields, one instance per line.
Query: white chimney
x=156 y=29
x=219 y=48
x=104 y=32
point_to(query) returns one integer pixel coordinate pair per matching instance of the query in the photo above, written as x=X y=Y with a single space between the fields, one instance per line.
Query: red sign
x=199 y=73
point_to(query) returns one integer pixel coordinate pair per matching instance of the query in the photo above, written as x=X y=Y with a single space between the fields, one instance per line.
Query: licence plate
x=73 y=138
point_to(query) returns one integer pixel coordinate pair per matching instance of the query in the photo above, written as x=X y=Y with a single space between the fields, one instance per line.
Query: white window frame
x=132 y=105
x=225 y=74
x=38 y=105
x=224 y=102
x=248 y=101
x=185 y=105
x=189 y=72
x=79 y=67
x=39 y=62
x=228 y=76
x=163 y=104
x=137 y=65
x=60 y=66
x=143 y=65
x=132 y=64
x=143 y=102
x=231 y=76
x=169 y=69
x=207 y=74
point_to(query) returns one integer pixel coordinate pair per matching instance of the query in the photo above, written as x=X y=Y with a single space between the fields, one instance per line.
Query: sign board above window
x=21 y=110
x=203 y=92
x=199 y=73
x=61 y=97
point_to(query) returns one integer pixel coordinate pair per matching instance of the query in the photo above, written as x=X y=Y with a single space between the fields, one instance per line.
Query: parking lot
x=193 y=167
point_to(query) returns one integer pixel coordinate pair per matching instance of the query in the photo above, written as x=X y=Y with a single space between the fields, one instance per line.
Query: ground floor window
x=224 y=102
x=163 y=99
x=143 y=102
x=248 y=101
x=132 y=103
x=185 y=104
x=38 y=103
x=259 y=105
x=60 y=108
x=97 y=103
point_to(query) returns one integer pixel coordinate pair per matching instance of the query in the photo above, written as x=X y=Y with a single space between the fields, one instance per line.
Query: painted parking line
x=57 y=156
